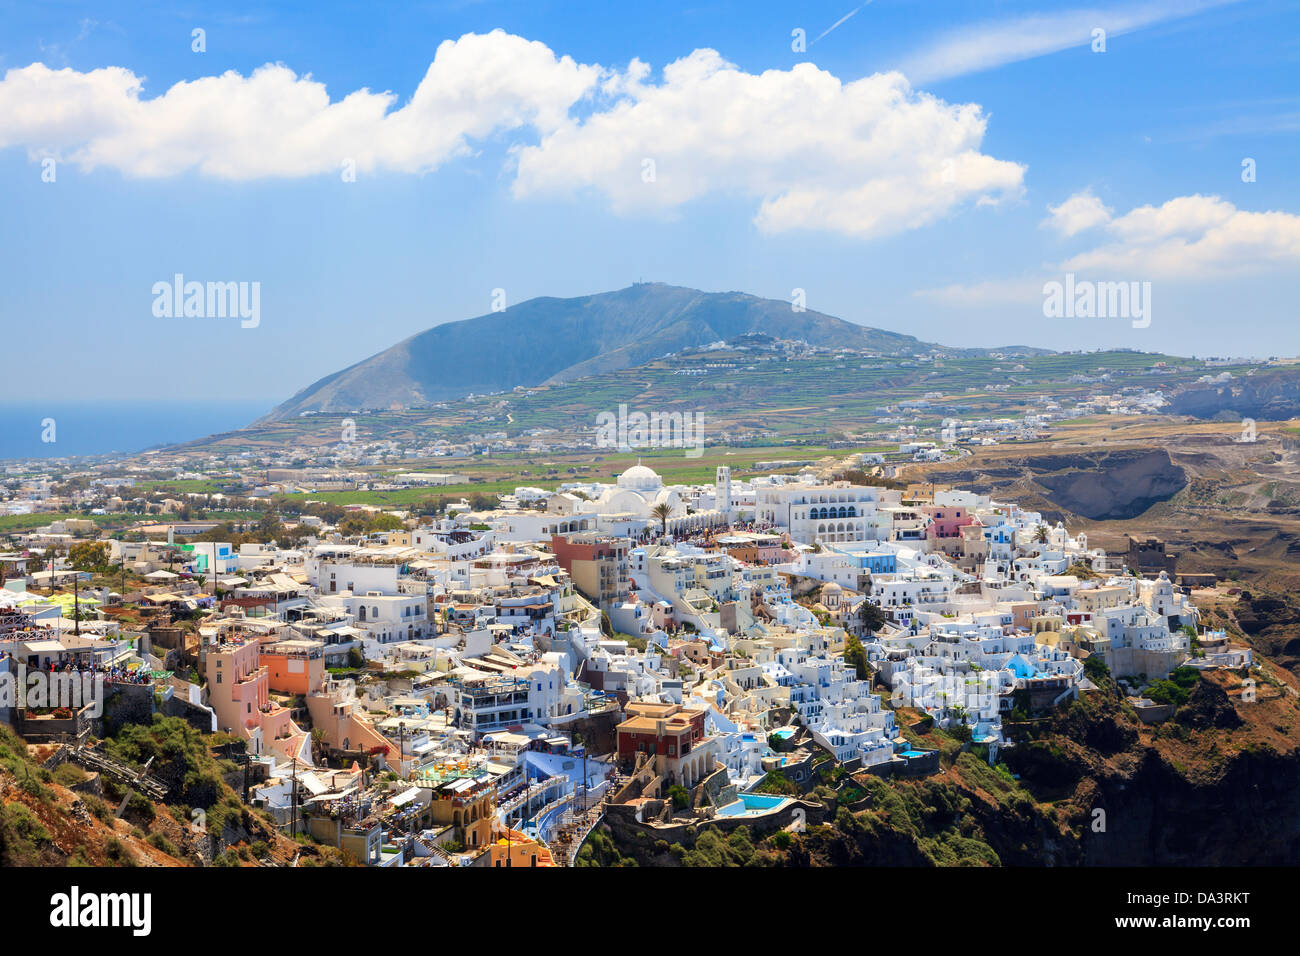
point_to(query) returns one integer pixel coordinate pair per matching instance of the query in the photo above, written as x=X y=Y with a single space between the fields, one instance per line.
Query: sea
x=56 y=429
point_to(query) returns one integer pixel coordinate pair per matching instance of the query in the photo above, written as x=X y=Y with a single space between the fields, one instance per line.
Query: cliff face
x=1116 y=485
x=1267 y=396
x=1102 y=486
x=1272 y=623
x=1248 y=816
x=1217 y=785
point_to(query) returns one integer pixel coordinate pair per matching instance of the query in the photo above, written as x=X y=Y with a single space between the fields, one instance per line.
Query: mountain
x=549 y=340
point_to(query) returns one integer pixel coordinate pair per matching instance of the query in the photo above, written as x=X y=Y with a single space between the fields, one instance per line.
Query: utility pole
x=293 y=784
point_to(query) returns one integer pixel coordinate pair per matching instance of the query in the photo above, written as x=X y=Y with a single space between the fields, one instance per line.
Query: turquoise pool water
x=913 y=753
x=751 y=804
x=785 y=733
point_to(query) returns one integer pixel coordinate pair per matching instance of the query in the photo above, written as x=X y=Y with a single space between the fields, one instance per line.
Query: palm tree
x=1041 y=534
x=662 y=511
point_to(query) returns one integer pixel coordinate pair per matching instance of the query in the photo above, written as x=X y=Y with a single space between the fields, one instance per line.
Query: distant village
x=484 y=686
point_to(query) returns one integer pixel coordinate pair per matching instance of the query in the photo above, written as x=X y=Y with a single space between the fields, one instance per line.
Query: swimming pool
x=785 y=733
x=914 y=753
x=752 y=804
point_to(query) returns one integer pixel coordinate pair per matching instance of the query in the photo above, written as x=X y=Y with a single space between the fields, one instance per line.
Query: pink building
x=239 y=691
x=946 y=521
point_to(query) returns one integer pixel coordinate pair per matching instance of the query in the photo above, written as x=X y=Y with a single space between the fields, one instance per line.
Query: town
x=489 y=684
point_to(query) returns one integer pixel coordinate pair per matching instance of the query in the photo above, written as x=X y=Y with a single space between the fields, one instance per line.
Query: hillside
x=1216 y=785
x=57 y=814
x=750 y=385
x=549 y=340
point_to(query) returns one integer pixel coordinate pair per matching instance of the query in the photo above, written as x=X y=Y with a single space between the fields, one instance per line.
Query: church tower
x=722 y=490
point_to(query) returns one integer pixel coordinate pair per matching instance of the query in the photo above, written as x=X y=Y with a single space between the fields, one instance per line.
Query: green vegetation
x=778 y=783
x=182 y=760
x=1176 y=689
x=856 y=654
x=69 y=775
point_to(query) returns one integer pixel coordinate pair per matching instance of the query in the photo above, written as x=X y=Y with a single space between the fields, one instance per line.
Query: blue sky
x=518 y=169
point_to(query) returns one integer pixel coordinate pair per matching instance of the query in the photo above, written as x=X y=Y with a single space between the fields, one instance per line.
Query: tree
x=871 y=617
x=353 y=525
x=268 y=526
x=662 y=511
x=856 y=654
x=88 y=555
x=1041 y=534
x=385 y=522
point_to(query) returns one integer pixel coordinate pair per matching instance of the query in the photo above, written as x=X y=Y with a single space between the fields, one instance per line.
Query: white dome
x=640 y=478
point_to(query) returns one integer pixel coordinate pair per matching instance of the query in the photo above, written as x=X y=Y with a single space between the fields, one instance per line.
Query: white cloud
x=866 y=158
x=276 y=123
x=1190 y=238
x=1080 y=212
x=988 y=45
x=1193 y=237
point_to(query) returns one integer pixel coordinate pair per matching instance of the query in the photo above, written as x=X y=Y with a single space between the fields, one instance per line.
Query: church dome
x=640 y=478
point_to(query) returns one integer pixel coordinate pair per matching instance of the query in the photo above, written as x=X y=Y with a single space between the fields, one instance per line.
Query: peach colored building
x=294 y=667
x=238 y=687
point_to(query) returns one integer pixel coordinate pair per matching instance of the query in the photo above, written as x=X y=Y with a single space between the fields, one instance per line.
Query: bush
x=69 y=775
x=117 y=852
x=140 y=806
x=98 y=808
x=160 y=842
x=777 y=783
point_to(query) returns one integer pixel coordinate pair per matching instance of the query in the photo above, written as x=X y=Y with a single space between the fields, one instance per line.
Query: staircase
x=151 y=787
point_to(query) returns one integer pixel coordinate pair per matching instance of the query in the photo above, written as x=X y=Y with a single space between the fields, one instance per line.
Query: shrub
x=160 y=842
x=117 y=852
x=69 y=775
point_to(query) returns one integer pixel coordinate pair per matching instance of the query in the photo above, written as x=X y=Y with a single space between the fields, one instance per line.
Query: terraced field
x=810 y=398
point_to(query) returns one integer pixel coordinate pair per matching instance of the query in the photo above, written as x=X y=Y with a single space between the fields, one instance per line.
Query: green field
x=19 y=524
x=505 y=473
